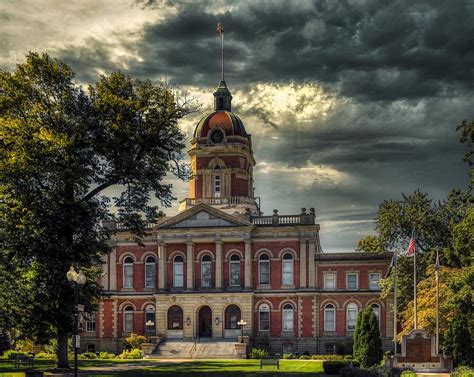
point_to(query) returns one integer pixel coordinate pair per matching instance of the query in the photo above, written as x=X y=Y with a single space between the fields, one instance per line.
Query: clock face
x=217 y=136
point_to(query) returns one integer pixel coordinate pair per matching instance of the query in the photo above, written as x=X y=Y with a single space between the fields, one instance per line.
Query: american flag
x=411 y=246
x=220 y=29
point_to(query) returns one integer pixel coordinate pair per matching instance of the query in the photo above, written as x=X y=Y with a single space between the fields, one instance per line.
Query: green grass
x=201 y=368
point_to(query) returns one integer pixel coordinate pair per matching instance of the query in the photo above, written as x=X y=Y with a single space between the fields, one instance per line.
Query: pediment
x=203 y=216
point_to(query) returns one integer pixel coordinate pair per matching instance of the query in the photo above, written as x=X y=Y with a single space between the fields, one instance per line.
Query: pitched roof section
x=202 y=216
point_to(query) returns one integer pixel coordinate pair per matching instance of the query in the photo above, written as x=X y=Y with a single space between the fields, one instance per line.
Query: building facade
x=220 y=260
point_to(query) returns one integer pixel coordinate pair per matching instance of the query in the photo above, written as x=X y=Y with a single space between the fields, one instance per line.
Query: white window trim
x=347 y=316
x=267 y=310
x=324 y=281
x=269 y=271
x=132 y=313
x=236 y=262
x=374 y=289
x=347 y=281
x=182 y=274
x=127 y=264
x=292 y=327
x=333 y=310
x=291 y=262
x=91 y=319
x=380 y=314
x=147 y=264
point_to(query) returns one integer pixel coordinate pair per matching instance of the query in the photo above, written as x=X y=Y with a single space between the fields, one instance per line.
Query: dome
x=225 y=120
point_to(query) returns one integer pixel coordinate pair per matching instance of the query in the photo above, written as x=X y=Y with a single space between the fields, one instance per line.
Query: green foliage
x=367 y=342
x=45 y=356
x=60 y=148
x=106 y=355
x=458 y=342
x=288 y=356
x=370 y=244
x=327 y=357
x=305 y=357
x=11 y=354
x=344 y=348
x=334 y=367
x=463 y=371
x=258 y=353
x=136 y=340
x=89 y=355
x=132 y=354
x=377 y=371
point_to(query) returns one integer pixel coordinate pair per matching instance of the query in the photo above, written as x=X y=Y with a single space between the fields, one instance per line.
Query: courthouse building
x=220 y=260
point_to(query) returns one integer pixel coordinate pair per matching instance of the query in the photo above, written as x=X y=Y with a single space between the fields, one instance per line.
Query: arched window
x=288 y=269
x=232 y=316
x=128 y=272
x=217 y=184
x=351 y=316
x=178 y=272
x=329 y=318
x=264 y=269
x=288 y=318
x=376 y=308
x=175 y=318
x=150 y=272
x=206 y=271
x=264 y=317
x=234 y=271
x=150 y=322
x=128 y=319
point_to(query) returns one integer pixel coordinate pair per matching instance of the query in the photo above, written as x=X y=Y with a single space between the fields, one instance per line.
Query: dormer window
x=217 y=137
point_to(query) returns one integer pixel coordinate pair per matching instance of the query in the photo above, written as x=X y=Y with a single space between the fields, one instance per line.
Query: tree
x=367 y=341
x=458 y=342
x=60 y=150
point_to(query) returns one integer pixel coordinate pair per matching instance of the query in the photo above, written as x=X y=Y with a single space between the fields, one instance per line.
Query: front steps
x=204 y=349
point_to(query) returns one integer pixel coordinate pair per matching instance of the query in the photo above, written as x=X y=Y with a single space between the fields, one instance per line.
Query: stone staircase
x=203 y=349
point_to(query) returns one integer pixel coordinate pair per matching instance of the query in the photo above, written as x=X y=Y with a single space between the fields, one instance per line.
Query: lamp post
x=241 y=323
x=77 y=280
x=149 y=327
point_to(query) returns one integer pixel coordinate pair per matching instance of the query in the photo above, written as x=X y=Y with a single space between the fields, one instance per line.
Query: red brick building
x=220 y=260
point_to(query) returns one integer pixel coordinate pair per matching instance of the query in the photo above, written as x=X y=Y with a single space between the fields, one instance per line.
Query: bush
x=377 y=371
x=304 y=357
x=45 y=356
x=106 y=355
x=258 y=353
x=367 y=342
x=458 y=342
x=136 y=340
x=133 y=354
x=288 y=356
x=463 y=371
x=335 y=367
x=11 y=354
x=89 y=356
x=348 y=357
x=344 y=348
x=327 y=357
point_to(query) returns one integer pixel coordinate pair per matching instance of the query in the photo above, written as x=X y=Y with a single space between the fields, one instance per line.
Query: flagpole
x=415 y=313
x=437 y=301
x=395 y=304
x=222 y=48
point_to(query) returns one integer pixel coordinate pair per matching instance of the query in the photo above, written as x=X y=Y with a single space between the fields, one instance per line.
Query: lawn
x=202 y=368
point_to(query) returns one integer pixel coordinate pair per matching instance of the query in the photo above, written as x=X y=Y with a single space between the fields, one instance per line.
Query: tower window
x=217 y=185
x=217 y=136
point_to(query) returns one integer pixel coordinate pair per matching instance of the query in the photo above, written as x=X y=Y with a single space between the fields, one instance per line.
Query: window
x=329 y=282
x=90 y=323
x=178 y=272
x=376 y=309
x=374 y=280
x=351 y=282
x=175 y=318
x=128 y=272
x=90 y=348
x=288 y=318
x=217 y=186
x=352 y=311
x=232 y=316
x=150 y=272
x=234 y=268
x=288 y=269
x=128 y=319
x=329 y=318
x=206 y=271
x=330 y=349
x=264 y=317
x=150 y=317
x=264 y=269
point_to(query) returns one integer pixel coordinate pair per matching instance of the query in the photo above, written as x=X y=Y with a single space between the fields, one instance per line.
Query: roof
x=227 y=121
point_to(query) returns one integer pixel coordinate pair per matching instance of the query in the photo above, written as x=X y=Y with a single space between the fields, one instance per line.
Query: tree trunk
x=62 y=362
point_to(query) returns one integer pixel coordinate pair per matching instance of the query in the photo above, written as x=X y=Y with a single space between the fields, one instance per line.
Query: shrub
x=348 y=357
x=258 y=353
x=463 y=371
x=45 y=356
x=327 y=357
x=106 y=355
x=136 y=340
x=288 y=356
x=11 y=354
x=458 y=342
x=306 y=353
x=334 y=367
x=367 y=342
x=133 y=354
x=304 y=357
x=89 y=356
x=344 y=348
x=377 y=371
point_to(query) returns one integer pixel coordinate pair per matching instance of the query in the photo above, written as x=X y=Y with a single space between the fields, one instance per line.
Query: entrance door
x=205 y=322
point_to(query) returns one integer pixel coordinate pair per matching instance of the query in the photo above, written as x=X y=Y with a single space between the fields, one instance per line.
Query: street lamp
x=149 y=328
x=241 y=323
x=77 y=280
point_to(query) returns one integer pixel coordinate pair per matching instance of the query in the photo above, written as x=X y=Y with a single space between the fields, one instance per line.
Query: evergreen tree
x=367 y=341
x=458 y=342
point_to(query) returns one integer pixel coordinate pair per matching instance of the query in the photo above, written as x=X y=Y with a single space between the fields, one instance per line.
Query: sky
x=349 y=102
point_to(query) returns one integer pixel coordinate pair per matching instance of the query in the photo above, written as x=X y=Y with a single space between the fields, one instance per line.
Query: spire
x=222 y=96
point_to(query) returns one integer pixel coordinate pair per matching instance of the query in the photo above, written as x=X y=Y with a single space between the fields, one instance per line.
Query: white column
x=190 y=265
x=311 y=265
x=218 y=264
x=303 y=264
x=248 y=264
x=161 y=266
x=113 y=270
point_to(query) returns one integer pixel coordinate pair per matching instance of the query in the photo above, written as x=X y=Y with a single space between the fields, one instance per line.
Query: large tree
x=367 y=342
x=60 y=149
